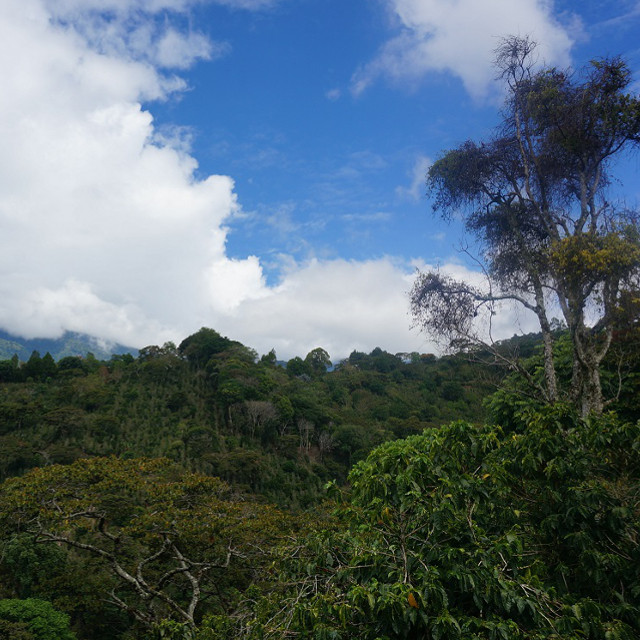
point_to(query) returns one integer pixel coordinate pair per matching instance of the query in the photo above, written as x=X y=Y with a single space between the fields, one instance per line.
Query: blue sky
x=256 y=166
x=319 y=171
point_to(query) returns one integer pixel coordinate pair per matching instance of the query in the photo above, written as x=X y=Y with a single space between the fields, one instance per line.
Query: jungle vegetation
x=201 y=491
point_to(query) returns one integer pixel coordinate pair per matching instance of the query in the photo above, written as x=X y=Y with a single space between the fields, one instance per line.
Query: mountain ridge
x=69 y=344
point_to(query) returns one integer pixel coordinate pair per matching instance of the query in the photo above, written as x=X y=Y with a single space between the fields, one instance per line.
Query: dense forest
x=214 y=407
x=201 y=491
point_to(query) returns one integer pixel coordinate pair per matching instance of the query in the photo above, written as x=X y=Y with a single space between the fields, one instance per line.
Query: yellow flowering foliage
x=591 y=259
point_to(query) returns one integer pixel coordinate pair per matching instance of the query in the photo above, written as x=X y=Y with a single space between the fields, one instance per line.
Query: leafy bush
x=470 y=532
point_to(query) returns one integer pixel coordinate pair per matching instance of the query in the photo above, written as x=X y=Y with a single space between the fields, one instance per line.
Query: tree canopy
x=465 y=530
x=165 y=536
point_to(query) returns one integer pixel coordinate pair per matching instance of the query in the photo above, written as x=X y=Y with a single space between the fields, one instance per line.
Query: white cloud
x=106 y=229
x=175 y=50
x=459 y=37
x=234 y=282
x=130 y=29
x=73 y=307
x=375 y=216
x=339 y=305
x=69 y=7
x=251 y=5
x=344 y=305
x=416 y=189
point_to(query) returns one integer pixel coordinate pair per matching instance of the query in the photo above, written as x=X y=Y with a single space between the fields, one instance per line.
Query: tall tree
x=535 y=197
x=319 y=361
x=199 y=347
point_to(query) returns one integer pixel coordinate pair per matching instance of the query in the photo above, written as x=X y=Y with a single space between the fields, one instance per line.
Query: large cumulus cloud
x=105 y=227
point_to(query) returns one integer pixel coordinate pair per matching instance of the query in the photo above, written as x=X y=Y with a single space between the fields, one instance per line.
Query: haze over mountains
x=69 y=344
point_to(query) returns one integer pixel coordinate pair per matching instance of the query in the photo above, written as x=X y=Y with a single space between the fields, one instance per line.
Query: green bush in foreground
x=471 y=532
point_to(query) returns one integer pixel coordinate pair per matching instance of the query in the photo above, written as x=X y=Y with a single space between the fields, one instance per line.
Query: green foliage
x=9 y=370
x=39 y=617
x=201 y=346
x=620 y=376
x=298 y=367
x=26 y=566
x=163 y=537
x=171 y=630
x=203 y=416
x=522 y=530
x=14 y=631
x=318 y=360
x=468 y=532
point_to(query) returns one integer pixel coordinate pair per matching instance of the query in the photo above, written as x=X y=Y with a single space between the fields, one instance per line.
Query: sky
x=253 y=166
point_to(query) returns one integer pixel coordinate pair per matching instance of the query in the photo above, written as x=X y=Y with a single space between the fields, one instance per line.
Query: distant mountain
x=70 y=344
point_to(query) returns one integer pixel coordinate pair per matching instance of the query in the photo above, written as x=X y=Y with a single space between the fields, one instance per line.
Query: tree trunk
x=586 y=386
x=549 y=366
x=591 y=396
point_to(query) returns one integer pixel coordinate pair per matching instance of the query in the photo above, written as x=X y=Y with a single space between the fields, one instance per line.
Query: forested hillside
x=214 y=407
x=69 y=344
x=184 y=494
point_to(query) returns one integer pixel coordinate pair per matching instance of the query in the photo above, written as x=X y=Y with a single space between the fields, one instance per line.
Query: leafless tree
x=260 y=412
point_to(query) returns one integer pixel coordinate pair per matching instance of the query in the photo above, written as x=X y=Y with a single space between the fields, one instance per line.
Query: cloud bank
x=105 y=228
x=459 y=37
